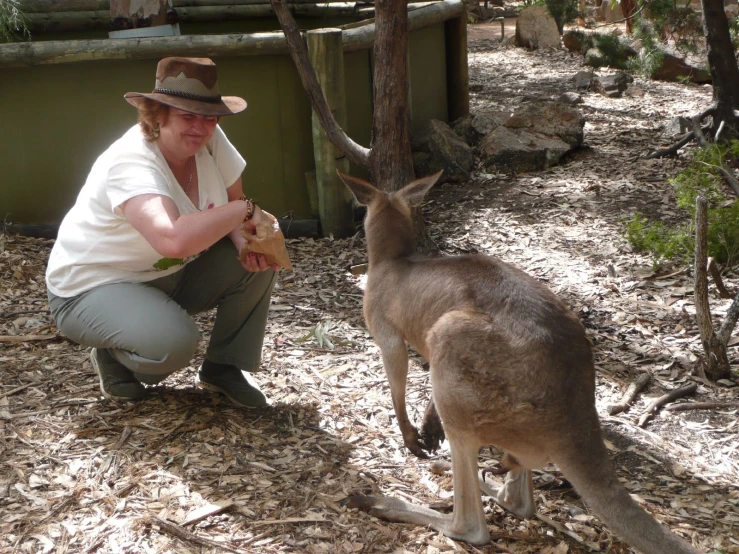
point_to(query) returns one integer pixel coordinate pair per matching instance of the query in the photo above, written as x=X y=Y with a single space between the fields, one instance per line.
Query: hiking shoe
x=232 y=382
x=116 y=381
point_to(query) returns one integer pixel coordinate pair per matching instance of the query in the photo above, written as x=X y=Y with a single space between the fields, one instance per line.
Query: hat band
x=189 y=96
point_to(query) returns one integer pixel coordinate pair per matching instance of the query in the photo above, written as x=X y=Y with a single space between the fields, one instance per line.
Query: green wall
x=56 y=119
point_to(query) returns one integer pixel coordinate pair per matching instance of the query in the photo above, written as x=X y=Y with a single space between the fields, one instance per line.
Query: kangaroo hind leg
x=467 y=522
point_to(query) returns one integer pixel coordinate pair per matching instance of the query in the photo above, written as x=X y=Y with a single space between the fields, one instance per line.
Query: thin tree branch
x=727 y=326
x=356 y=153
x=730 y=180
x=631 y=393
x=716 y=276
x=655 y=404
x=698 y=131
x=671 y=150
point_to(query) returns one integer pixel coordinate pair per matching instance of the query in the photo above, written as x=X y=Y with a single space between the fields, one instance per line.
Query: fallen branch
x=630 y=395
x=683 y=406
x=696 y=133
x=657 y=403
x=186 y=536
x=672 y=150
x=26 y=338
x=719 y=282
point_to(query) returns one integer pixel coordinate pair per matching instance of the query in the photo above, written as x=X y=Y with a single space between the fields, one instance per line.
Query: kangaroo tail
x=588 y=468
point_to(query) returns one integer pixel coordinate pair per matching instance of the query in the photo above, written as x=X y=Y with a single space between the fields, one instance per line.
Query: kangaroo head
x=409 y=196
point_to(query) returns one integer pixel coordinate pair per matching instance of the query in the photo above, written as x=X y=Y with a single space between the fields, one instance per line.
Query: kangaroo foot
x=432 y=432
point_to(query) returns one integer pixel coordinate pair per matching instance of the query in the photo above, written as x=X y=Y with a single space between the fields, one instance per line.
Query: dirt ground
x=184 y=471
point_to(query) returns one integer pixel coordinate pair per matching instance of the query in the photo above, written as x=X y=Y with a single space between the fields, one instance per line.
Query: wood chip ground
x=184 y=471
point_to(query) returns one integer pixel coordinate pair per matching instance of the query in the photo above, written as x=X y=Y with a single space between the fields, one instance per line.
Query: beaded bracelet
x=250 y=207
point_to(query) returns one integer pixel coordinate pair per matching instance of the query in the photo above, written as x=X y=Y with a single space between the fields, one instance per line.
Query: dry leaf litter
x=185 y=471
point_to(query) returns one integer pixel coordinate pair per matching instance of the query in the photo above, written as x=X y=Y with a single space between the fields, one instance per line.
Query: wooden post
x=334 y=200
x=136 y=14
x=457 y=71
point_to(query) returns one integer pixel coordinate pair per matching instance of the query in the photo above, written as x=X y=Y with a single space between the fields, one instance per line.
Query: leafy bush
x=563 y=11
x=12 y=22
x=677 y=243
x=611 y=52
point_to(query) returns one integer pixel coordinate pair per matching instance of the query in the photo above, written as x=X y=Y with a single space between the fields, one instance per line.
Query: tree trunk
x=391 y=160
x=722 y=61
x=717 y=361
x=391 y=163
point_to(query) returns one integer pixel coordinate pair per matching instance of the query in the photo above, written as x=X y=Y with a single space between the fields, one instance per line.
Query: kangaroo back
x=510 y=365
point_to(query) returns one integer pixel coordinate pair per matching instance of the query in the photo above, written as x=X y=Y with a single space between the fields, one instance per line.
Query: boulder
x=536 y=28
x=583 y=79
x=520 y=150
x=612 y=86
x=554 y=119
x=534 y=138
x=438 y=147
x=570 y=98
x=473 y=127
x=673 y=68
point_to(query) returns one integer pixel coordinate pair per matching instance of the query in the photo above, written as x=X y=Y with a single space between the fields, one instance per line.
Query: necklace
x=189 y=180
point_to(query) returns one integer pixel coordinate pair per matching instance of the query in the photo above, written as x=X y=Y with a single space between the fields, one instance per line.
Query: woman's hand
x=254 y=261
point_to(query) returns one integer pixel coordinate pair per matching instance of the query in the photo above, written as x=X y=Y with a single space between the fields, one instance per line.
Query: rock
x=577 y=41
x=536 y=28
x=437 y=147
x=520 y=150
x=732 y=11
x=584 y=79
x=551 y=119
x=473 y=127
x=570 y=98
x=673 y=68
x=612 y=86
x=535 y=137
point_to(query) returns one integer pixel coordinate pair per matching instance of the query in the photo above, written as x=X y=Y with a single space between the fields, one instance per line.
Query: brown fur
x=510 y=365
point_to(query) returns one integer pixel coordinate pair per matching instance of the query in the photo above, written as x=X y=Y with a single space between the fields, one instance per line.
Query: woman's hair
x=149 y=111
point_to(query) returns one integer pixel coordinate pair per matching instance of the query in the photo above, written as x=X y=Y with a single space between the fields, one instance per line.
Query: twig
x=26 y=338
x=664 y=399
x=185 y=535
x=683 y=406
x=561 y=528
x=671 y=150
x=698 y=131
x=730 y=180
x=719 y=131
x=631 y=393
x=716 y=276
x=23 y=312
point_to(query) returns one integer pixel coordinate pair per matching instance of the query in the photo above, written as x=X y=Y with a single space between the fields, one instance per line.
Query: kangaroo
x=510 y=366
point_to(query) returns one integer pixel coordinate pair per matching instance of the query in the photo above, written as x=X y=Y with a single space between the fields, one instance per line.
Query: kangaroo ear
x=363 y=190
x=414 y=191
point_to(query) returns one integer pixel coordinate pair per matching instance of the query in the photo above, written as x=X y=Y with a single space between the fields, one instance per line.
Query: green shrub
x=13 y=24
x=563 y=11
x=676 y=243
x=611 y=52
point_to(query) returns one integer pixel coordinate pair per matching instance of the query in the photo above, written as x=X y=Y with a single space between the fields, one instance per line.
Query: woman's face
x=184 y=133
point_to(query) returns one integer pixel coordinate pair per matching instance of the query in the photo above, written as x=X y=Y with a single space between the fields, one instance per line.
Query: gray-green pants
x=147 y=326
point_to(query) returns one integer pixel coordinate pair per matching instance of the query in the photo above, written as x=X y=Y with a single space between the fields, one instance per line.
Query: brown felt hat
x=189 y=84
